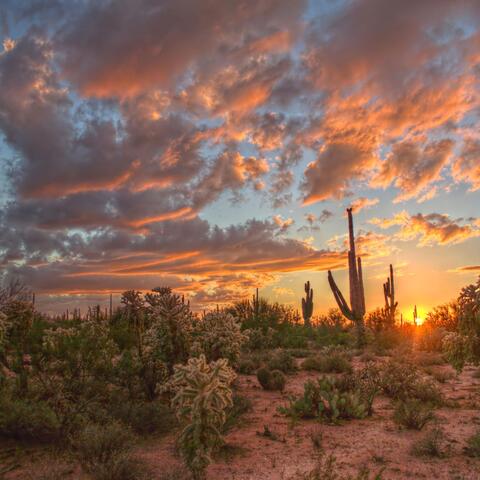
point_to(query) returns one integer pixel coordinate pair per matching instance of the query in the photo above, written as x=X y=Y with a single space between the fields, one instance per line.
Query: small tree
x=463 y=345
x=202 y=395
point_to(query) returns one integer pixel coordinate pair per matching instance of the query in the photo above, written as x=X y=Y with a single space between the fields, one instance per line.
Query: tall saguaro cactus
x=307 y=304
x=356 y=311
x=389 y=294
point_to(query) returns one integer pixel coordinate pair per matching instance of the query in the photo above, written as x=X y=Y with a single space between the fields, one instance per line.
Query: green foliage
x=458 y=350
x=271 y=379
x=325 y=401
x=104 y=451
x=27 y=420
x=473 y=446
x=401 y=380
x=463 y=345
x=368 y=382
x=145 y=418
x=329 y=361
x=240 y=406
x=431 y=445
x=258 y=339
x=413 y=413
x=217 y=335
x=202 y=397
x=283 y=361
x=247 y=366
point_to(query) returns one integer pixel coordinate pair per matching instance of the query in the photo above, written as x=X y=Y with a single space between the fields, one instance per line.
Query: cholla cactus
x=170 y=334
x=218 y=335
x=202 y=395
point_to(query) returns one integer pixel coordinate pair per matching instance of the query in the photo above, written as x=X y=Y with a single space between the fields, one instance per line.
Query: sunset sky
x=214 y=145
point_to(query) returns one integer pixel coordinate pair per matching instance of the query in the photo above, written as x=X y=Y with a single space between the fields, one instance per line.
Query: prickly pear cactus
x=202 y=395
x=323 y=400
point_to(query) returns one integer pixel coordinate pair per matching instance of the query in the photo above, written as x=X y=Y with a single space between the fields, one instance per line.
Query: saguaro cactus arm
x=339 y=298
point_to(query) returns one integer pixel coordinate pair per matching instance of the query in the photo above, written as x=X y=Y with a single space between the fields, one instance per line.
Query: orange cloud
x=430 y=229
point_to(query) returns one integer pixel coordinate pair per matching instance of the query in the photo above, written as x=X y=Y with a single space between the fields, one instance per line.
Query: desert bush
x=334 y=362
x=300 y=352
x=458 y=350
x=473 y=446
x=240 y=406
x=427 y=359
x=217 y=335
x=283 y=361
x=28 y=420
x=202 y=397
x=104 y=451
x=413 y=413
x=441 y=376
x=247 y=366
x=271 y=379
x=431 y=445
x=401 y=380
x=145 y=418
x=257 y=339
x=463 y=345
x=367 y=381
x=430 y=338
x=324 y=401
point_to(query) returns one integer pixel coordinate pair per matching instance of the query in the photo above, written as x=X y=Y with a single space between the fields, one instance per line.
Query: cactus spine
x=356 y=311
x=307 y=304
x=389 y=294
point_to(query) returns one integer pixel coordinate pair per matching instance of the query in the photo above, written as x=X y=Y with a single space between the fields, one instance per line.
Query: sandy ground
x=375 y=442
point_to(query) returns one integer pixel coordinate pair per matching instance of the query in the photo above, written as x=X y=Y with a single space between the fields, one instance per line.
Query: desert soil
x=376 y=442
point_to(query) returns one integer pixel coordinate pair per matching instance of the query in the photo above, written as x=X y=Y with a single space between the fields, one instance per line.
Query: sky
x=214 y=146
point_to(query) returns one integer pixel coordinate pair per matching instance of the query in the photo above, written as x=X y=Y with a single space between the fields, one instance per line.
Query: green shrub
x=105 y=452
x=28 y=420
x=246 y=366
x=368 y=382
x=146 y=417
x=324 y=401
x=427 y=359
x=257 y=339
x=271 y=379
x=402 y=380
x=323 y=363
x=240 y=406
x=431 y=445
x=277 y=380
x=473 y=446
x=300 y=353
x=413 y=414
x=282 y=361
